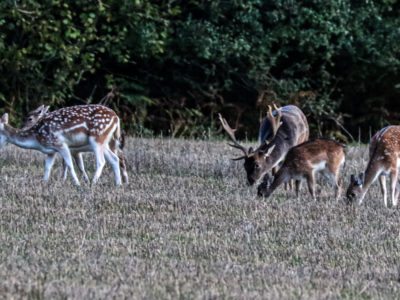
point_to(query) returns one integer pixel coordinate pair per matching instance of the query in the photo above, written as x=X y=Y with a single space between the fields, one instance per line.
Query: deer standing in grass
x=384 y=160
x=303 y=161
x=36 y=115
x=77 y=128
x=279 y=131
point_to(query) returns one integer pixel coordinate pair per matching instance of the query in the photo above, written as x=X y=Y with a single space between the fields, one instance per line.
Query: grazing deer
x=384 y=159
x=280 y=130
x=303 y=161
x=35 y=115
x=78 y=128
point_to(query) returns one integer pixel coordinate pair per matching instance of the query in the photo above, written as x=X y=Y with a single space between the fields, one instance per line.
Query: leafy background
x=169 y=66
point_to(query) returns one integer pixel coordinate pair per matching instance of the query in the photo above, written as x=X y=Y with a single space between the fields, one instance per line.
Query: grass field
x=187 y=226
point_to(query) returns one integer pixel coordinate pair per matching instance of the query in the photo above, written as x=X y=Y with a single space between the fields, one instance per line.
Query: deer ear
x=251 y=150
x=39 y=109
x=45 y=109
x=269 y=151
x=352 y=178
x=360 y=179
x=4 y=118
x=362 y=176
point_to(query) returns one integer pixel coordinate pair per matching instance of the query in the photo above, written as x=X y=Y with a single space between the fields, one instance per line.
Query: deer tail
x=117 y=133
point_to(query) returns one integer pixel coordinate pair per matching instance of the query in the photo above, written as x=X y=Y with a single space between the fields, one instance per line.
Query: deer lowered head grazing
x=279 y=131
x=384 y=160
x=116 y=146
x=78 y=128
x=303 y=161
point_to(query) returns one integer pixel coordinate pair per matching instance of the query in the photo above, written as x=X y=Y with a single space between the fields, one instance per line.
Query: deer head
x=264 y=188
x=256 y=162
x=34 y=116
x=355 y=188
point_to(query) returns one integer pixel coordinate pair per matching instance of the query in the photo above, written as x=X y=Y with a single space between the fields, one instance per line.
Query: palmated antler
x=231 y=133
x=275 y=120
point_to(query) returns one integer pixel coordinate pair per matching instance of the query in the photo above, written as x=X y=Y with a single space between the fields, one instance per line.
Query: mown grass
x=187 y=226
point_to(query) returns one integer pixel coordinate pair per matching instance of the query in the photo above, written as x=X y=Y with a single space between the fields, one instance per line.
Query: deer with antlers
x=384 y=160
x=116 y=147
x=279 y=131
x=303 y=161
x=78 y=128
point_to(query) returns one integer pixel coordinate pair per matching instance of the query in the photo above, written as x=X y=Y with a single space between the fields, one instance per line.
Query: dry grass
x=187 y=226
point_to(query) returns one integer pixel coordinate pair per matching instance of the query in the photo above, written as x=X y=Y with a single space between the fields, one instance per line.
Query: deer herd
x=284 y=149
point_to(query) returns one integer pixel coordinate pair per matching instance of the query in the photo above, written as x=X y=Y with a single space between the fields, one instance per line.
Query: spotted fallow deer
x=36 y=115
x=303 y=161
x=384 y=160
x=77 y=128
x=279 y=131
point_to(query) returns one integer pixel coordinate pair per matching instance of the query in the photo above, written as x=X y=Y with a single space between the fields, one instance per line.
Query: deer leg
x=49 y=164
x=79 y=161
x=311 y=184
x=382 y=181
x=114 y=161
x=333 y=178
x=298 y=186
x=65 y=170
x=64 y=151
x=122 y=164
x=122 y=167
x=397 y=188
x=393 y=181
x=100 y=161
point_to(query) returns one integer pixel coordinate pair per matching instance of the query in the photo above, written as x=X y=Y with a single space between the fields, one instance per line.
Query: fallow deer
x=77 y=128
x=303 y=161
x=384 y=160
x=34 y=116
x=280 y=130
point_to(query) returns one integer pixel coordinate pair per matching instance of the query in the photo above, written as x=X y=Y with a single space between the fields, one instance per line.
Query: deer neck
x=278 y=154
x=281 y=176
x=371 y=174
x=21 y=138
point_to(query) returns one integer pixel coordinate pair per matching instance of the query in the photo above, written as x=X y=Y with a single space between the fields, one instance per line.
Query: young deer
x=77 y=128
x=280 y=130
x=303 y=161
x=35 y=115
x=384 y=159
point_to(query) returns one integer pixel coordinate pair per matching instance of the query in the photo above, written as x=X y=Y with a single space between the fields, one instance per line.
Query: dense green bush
x=171 y=65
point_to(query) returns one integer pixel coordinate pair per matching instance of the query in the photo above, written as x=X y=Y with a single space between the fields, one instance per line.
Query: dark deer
x=384 y=160
x=279 y=131
x=303 y=161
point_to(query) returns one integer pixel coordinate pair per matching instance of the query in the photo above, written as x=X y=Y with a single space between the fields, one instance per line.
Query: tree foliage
x=173 y=64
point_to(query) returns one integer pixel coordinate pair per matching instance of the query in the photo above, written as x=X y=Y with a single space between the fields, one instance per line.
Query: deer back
x=294 y=129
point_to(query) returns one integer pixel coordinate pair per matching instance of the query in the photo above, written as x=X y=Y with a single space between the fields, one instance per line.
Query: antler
x=275 y=121
x=231 y=133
